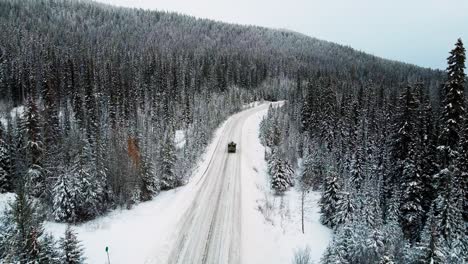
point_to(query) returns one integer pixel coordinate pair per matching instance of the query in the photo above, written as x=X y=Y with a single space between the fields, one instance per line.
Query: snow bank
x=271 y=228
x=179 y=138
x=252 y=104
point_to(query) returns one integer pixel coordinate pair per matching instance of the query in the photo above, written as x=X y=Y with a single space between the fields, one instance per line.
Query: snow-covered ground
x=17 y=111
x=270 y=225
x=179 y=138
x=5 y=199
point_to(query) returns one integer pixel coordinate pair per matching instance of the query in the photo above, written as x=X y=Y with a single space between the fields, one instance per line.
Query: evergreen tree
x=394 y=237
x=314 y=168
x=451 y=190
x=429 y=249
x=403 y=137
x=307 y=111
x=357 y=168
x=462 y=165
x=411 y=210
x=52 y=153
x=149 y=183
x=281 y=175
x=23 y=239
x=66 y=196
x=31 y=130
x=451 y=228
x=91 y=188
x=72 y=251
x=340 y=249
x=168 y=161
x=345 y=209
x=6 y=182
x=50 y=250
x=453 y=106
x=329 y=200
x=428 y=149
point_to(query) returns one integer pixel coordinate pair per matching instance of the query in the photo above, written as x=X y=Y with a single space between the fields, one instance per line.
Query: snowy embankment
x=272 y=224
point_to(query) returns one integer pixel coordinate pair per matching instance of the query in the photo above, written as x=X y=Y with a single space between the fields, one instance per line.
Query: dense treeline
x=100 y=106
x=390 y=162
x=92 y=96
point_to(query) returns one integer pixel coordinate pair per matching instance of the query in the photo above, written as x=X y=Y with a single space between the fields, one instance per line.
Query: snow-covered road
x=225 y=214
x=210 y=229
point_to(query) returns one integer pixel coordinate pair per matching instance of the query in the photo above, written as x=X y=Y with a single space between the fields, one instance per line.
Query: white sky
x=421 y=32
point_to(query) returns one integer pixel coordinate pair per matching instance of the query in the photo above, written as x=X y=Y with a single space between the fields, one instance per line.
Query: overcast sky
x=416 y=31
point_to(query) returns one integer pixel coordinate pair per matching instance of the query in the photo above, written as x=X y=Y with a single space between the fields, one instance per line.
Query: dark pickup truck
x=232 y=147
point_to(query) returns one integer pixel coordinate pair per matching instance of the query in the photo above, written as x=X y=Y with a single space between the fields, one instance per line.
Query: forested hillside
x=391 y=163
x=91 y=97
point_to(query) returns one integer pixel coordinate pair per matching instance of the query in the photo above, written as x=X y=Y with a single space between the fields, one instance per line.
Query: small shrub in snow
x=302 y=256
x=267 y=207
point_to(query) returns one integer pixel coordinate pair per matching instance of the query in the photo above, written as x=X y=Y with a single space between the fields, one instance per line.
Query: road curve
x=209 y=231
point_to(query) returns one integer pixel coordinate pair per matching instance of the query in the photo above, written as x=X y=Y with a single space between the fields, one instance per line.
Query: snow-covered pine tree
x=430 y=248
x=340 y=249
x=453 y=106
x=23 y=239
x=374 y=245
x=428 y=149
x=50 y=250
x=168 y=159
x=274 y=133
x=328 y=113
x=149 y=185
x=346 y=207
x=307 y=111
x=71 y=248
x=271 y=158
x=6 y=183
x=462 y=166
x=451 y=190
x=402 y=137
x=449 y=219
x=314 y=167
x=187 y=110
x=394 y=238
x=407 y=173
x=66 y=195
x=453 y=113
x=31 y=131
x=411 y=210
x=52 y=140
x=329 y=200
x=281 y=175
x=101 y=175
x=357 y=168
x=91 y=188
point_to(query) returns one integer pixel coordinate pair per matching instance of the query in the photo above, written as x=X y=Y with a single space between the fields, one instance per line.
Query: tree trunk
x=302 y=209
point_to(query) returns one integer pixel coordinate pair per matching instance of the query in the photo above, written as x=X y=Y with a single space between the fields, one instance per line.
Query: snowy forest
x=391 y=163
x=93 y=99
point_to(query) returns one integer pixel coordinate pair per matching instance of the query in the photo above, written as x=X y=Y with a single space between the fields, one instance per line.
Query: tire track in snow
x=210 y=228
